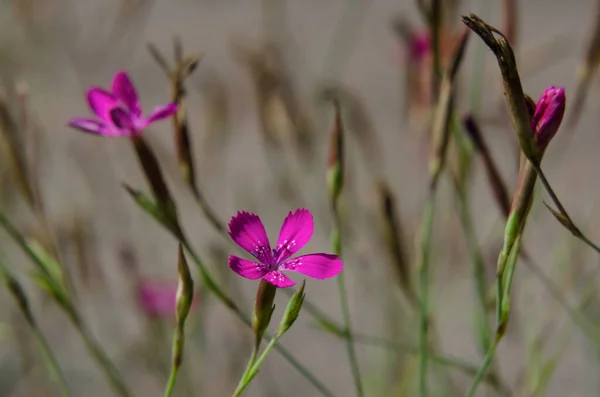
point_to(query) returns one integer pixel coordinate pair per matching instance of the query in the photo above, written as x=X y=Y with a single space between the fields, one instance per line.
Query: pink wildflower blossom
x=118 y=113
x=248 y=232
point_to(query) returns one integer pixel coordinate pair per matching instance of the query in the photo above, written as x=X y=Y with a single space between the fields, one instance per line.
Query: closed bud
x=292 y=310
x=185 y=289
x=549 y=112
x=335 y=163
x=263 y=308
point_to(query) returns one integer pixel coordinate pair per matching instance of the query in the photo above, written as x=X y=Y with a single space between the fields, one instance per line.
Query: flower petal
x=248 y=232
x=123 y=89
x=296 y=231
x=278 y=279
x=319 y=266
x=90 y=126
x=162 y=112
x=101 y=103
x=122 y=120
x=245 y=268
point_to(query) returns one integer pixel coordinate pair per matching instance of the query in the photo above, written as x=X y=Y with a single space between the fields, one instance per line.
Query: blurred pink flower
x=248 y=232
x=548 y=115
x=118 y=113
x=420 y=45
x=158 y=298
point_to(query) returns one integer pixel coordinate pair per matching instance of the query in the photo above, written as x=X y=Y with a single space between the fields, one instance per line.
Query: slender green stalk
x=506 y=268
x=97 y=352
x=423 y=269
x=253 y=370
x=22 y=302
x=178 y=341
x=51 y=361
x=566 y=219
x=483 y=327
x=251 y=362
x=487 y=361
x=336 y=243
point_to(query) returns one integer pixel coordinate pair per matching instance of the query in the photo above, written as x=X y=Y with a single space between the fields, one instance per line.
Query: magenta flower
x=248 y=232
x=158 y=298
x=420 y=45
x=119 y=113
x=548 y=115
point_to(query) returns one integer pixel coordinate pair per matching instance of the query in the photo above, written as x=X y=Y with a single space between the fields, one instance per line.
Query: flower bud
x=335 y=163
x=185 y=289
x=548 y=115
x=292 y=310
x=263 y=308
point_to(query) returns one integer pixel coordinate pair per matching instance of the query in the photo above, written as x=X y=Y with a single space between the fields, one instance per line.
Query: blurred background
x=259 y=120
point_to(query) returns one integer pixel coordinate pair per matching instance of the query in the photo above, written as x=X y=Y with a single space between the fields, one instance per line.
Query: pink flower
x=248 y=232
x=420 y=45
x=119 y=113
x=158 y=298
x=548 y=115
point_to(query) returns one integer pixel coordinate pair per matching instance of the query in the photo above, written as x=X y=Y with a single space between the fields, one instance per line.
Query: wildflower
x=248 y=232
x=158 y=298
x=549 y=112
x=119 y=113
x=419 y=45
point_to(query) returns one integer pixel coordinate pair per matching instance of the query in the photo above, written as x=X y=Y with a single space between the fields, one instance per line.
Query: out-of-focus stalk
x=18 y=293
x=440 y=133
x=185 y=295
x=183 y=68
x=335 y=183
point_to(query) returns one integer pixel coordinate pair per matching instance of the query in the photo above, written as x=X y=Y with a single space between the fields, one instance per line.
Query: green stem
x=250 y=362
x=52 y=365
x=506 y=268
x=487 y=361
x=96 y=351
x=178 y=342
x=573 y=229
x=51 y=361
x=253 y=370
x=336 y=243
x=423 y=269
x=484 y=328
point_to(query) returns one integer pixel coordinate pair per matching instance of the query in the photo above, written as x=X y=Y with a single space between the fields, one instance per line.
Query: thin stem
x=506 y=268
x=94 y=348
x=253 y=370
x=178 y=340
x=423 y=269
x=251 y=361
x=51 y=361
x=487 y=361
x=484 y=328
x=177 y=359
x=573 y=229
x=15 y=289
x=336 y=243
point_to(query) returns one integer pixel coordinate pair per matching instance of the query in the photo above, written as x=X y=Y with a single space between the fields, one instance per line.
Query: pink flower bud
x=548 y=115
